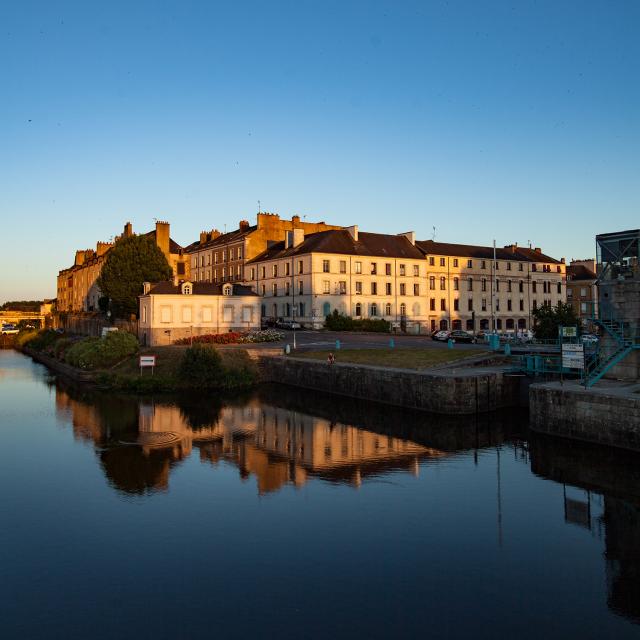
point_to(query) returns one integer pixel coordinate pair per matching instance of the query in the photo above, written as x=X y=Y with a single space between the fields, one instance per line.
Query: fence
x=92 y=324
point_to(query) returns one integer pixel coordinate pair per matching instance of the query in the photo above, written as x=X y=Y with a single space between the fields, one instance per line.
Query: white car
x=589 y=338
x=9 y=328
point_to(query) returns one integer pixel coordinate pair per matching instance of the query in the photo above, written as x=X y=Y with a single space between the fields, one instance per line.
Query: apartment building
x=466 y=288
x=363 y=275
x=582 y=289
x=77 y=286
x=220 y=257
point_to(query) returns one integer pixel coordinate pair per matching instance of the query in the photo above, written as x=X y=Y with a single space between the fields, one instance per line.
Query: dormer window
x=187 y=289
x=227 y=290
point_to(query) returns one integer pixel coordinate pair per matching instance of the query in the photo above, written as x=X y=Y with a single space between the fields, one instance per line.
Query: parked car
x=9 y=328
x=589 y=338
x=462 y=336
x=441 y=336
x=287 y=324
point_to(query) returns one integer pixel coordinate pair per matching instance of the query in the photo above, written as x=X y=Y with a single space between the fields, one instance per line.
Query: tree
x=132 y=261
x=548 y=319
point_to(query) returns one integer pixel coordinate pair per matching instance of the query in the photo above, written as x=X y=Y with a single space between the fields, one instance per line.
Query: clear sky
x=514 y=120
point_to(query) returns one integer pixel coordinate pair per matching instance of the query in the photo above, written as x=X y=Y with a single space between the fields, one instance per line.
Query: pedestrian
x=331 y=359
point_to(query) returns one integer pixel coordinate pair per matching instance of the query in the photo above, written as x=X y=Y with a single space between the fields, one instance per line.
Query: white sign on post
x=573 y=356
x=147 y=361
x=569 y=332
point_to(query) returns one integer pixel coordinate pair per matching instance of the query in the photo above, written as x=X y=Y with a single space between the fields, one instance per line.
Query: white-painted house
x=169 y=312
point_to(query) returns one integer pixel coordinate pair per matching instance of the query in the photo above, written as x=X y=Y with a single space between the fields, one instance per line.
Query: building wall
x=167 y=318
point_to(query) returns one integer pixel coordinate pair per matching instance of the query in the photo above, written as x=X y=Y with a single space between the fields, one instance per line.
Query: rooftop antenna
x=433 y=235
x=259 y=210
x=529 y=241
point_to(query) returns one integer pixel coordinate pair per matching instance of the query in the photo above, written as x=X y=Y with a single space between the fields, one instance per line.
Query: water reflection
x=278 y=436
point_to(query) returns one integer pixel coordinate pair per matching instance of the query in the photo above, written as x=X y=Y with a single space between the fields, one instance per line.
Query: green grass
x=395 y=358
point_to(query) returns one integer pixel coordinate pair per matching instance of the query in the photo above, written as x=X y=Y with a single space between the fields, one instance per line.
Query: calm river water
x=292 y=515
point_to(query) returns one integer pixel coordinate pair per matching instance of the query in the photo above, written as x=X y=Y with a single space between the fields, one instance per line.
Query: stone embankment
x=460 y=391
x=60 y=367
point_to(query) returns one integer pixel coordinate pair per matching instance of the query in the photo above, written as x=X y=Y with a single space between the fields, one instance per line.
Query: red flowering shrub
x=232 y=337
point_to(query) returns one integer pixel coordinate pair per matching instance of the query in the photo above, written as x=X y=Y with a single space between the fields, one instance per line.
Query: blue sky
x=515 y=120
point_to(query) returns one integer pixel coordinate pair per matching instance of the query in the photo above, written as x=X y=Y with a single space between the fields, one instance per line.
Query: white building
x=169 y=312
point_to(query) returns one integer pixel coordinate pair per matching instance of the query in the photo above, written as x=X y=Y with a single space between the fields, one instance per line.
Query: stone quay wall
x=437 y=392
x=572 y=412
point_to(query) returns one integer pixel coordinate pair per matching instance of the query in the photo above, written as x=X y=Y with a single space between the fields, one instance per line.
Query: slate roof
x=580 y=272
x=522 y=254
x=341 y=242
x=225 y=238
x=199 y=289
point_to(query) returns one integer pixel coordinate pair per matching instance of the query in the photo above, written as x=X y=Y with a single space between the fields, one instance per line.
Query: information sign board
x=573 y=356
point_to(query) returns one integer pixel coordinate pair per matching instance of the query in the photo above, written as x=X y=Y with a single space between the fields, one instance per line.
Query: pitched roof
x=580 y=272
x=522 y=254
x=342 y=242
x=199 y=289
x=224 y=238
x=174 y=247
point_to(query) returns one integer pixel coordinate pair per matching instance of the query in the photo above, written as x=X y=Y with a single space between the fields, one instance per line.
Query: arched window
x=443 y=325
x=499 y=324
x=510 y=324
x=403 y=309
x=374 y=309
x=484 y=324
x=522 y=323
x=187 y=288
x=456 y=325
x=470 y=326
x=443 y=283
x=387 y=309
x=326 y=309
x=358 y=310
x=226 y=290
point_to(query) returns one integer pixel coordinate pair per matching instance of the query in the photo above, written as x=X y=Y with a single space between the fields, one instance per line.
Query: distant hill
x=21 y=305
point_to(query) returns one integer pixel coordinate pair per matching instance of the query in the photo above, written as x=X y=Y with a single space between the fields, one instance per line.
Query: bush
x=25 y=338
x=45 y=340
x=95 y=353
x=60 y=347
x=339 y=322
x=201 y=367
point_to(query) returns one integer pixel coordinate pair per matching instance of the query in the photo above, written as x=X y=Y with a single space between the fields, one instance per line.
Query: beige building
x=218 y=257
x=170 y=312
x=582 y=288
x=358 y=274
x=467 y=289
x=77 y=286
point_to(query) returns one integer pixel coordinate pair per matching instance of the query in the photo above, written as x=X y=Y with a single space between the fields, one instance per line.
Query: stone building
x=582 y=288
x=467 y=289
x=77 y=286
x=170 y=311
x=220 y=257
x=362 y=275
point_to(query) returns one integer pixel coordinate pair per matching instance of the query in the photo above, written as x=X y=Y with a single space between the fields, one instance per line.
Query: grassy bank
x=395 y=358
x=113 y=363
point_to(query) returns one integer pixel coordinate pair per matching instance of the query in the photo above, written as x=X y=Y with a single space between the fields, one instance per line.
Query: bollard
x=450 y=343
x=392 y=343
x=337 y=345
x=287 y=349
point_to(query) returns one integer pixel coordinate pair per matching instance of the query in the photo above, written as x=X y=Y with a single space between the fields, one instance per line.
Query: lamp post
x=294 y=310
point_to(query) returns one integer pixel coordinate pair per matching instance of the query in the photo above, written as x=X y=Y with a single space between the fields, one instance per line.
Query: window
x=583 y=307
x=497 y=285
x=264 y=272
x=559 y=288
x=470 y=325
x=402 y=270
x=239 y=253
x=497 y=304
x=443 y=304
x=387 y=268
x=358 y=288
x=186 y=314
x=187 y=289
x=432 y=261
x=456 y=284
x=342 y=286
x=274 y=270
x=508 y=266
x=374 y=268
x=227 y=313
x=264 y=290
x=455 y=262
x=300 y=266
x=325 y=266
x=469 y=264
x=403 y=309
x=520 y=267
x=357 y=267
x=287 y=288
x=274 y=289
x=343 y=266
x=443 y=283
x=144 y=314
x=432 y=282
x=497 y=266
x=301 y=309
x=326 y=309
x=534 y=267
x=215 y=258
x=470 y=284
x=227 y=290
x=520 y=286
x=483 y=264
x=387 y=309
x=247 y=312
x=416 y=289
x=442 y=262
x=509 y=305
x=165 y=313
x=470 y=304
x=374 y=309
x=432 y=304
x=509 y=286
x=484 y=304
x=456 y=304
x=388 y=288
x=300 y=287
x=403 y=289
x=534 y=287
x=326 y=286
x=253 y=273
x=287 y=269
x=358 y=309
x=483 y=284
x=207 y=314
x=521 y=305
x=535 y=304
x=416 y=270
x=374 y=288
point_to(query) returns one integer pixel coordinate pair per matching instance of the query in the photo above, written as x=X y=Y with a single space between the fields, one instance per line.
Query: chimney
x=410 y=236
x=511 y=247
x=203 y=237
x=81 y=255
x=102 y=248
x=162 y=237
x=128 y=230
x=353 y=230
x=295 y=220
x=297 y=237
x=146 y=287
x=538 y=250
x=266 y=220
x=563 y=261
x=243 y=225
x=215 y=234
